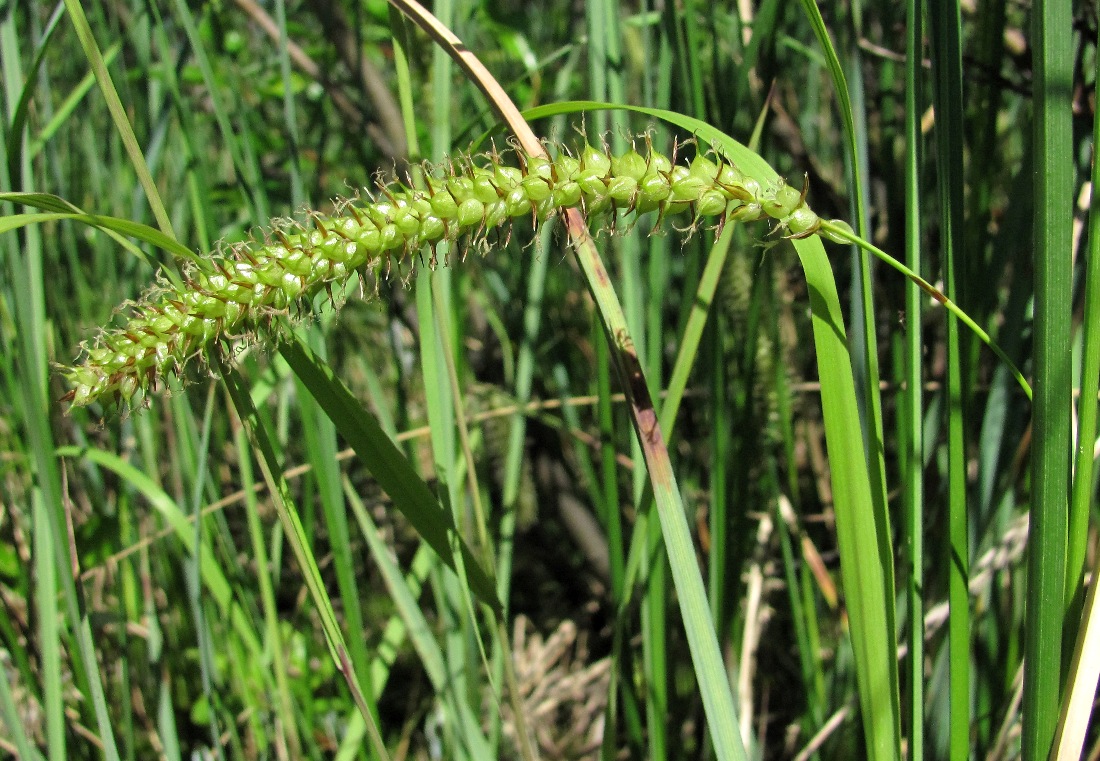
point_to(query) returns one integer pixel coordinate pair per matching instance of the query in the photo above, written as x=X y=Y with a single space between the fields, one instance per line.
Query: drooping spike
x=245 y=286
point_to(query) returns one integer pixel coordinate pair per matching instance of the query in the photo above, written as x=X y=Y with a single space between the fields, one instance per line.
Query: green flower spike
x=244 y=287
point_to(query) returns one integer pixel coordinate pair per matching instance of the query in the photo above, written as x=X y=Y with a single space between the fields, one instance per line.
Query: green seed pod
x=631 y=165
x=731 y=180
x=784 y=201
x=686 y=186
x=443 y=203
x=321 y=267
x=566 y=194
x=406 y=221
x=245 y=272
x=297 y=262
x=349 y=227
x=802 y=222
x=710 y=204
x=592 y=186
x=381 y=213
x=597 y=202
x=485 y=190
x=471 y=212
x=239 y=293
x=291 y=285
x=517 y=203
x=658 y=162
x=128 y=385
x=370 y=239
x=749 y=212
x=234 y=310
x=752 y=189
x=565 y=169
x=508 y=177
x=495 y=214
x=833 y=236
x=653 y=190
x=595 y=161
x=537 y=167
x=537 y=188
x=432 y=228
x=704 y=168
x=461 y=188
x=161 y=324
x=622 y=189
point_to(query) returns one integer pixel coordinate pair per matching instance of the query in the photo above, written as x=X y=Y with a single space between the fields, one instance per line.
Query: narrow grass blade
x=912 y=428
x=947 y=95
x=866 y=557
x=213 y=577
x=288 y=727
x=118 y=114
x=419 y=630
x=1085 y=668
x=299 y=542
x=49 y=629
x=13 y=724
x=1090 y=380
x=18 y=116
x=1052 y=145
x=320 y=445
x=114 y=226
x=393 y=471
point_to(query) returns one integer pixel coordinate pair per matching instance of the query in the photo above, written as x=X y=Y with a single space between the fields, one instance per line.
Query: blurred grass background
x=200 y=634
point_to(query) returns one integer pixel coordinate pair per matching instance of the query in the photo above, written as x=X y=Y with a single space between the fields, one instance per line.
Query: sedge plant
x=206 y=310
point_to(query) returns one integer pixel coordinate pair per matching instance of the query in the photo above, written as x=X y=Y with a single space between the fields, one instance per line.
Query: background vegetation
x=208 y=638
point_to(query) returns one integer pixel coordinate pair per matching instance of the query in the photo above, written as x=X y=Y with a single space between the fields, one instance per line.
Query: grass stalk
x=912 y=430
x=1085 y=667
x=947 y=96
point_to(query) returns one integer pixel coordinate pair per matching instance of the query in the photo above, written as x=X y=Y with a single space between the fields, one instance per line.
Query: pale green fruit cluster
x=243 y=288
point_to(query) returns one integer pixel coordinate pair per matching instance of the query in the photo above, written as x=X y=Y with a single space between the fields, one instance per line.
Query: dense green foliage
x=330 y=603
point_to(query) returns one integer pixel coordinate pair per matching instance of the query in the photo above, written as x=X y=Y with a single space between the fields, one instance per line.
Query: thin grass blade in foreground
x=912 y=426
x=390 y=468
x=1053 y=183
x=287 y=731
x=288 y=515
x=947 y=96
x=1084 y=669
x=866 y=555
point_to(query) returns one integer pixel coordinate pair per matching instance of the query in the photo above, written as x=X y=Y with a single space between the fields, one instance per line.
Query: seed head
x=241 y=289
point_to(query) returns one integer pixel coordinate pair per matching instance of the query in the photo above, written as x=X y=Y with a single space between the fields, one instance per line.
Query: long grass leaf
x=865 y=550
x=947 y=95
x=118 y=114
x=393 y=471
x=419 y=630
x=288 y=515
x=1052 y=145
x=912 y=426
x=1085 y=667
x=276 y=645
